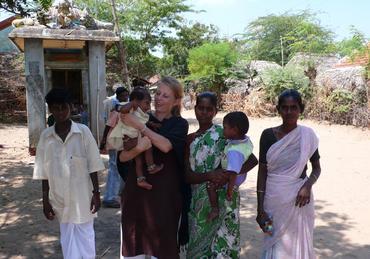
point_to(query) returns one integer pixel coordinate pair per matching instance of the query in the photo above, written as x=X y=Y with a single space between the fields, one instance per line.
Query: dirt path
x=342 y=198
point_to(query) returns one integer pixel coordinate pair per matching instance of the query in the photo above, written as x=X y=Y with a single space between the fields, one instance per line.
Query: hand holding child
x=143 y=143
x=230 y=186
x=130 y=120
x=217 y=177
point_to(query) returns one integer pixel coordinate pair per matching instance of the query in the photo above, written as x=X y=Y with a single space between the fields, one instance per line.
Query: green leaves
x=353 y=45
x=45 y=4
x=19 y=7
x=278 y=80
x=269 y=36
x=210 y=64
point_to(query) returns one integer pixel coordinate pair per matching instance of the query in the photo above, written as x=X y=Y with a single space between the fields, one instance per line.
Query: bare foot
x=152 y=169
x=213 y=214
x=144 y=184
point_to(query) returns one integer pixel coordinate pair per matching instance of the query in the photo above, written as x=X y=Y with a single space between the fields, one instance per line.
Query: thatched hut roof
x=255 y=68
x=320 y=62
x=349 y=78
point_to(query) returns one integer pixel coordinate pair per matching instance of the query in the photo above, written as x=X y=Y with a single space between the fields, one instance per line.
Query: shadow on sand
x=24 y=232
x=329 y=240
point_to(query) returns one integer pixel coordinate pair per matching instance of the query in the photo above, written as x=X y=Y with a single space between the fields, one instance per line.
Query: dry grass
x=253 y=104
x=318 y=108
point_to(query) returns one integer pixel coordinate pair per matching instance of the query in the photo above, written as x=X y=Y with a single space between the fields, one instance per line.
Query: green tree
x=15 y=6
x=210 y=65
x=100 y=9
x=269 y=36
x=152 y=20
x=176 y=49
x=353 y=45
x=146 y=24
x=24 y=7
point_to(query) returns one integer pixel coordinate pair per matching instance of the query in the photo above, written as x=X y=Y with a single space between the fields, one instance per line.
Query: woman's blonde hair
x=176 y=88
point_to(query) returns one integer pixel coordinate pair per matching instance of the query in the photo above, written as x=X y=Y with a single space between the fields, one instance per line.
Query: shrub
x=209 y=65
x=339 y=106
x=280 y=79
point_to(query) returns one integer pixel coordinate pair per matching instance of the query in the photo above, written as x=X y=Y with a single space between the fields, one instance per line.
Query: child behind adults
x=237 y=150
x=67 y=162
x=114 y=183
x=139 y=105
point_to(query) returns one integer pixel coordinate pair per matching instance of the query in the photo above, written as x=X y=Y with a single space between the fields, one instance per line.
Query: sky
x=233 y=16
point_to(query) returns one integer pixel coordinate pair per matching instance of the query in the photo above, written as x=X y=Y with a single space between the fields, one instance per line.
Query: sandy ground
x=342 y=198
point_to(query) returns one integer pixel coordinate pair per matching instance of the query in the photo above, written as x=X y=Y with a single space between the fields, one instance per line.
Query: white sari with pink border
x=292 y=226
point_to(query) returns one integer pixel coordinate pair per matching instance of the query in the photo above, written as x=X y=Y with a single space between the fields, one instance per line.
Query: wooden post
x=97 y=87
x=35 y=90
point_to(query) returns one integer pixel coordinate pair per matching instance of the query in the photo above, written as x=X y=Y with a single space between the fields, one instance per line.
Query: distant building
x=361 y=59
x=7 y=46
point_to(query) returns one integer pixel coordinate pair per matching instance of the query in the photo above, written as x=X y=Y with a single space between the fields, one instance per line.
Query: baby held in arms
x=139 y=105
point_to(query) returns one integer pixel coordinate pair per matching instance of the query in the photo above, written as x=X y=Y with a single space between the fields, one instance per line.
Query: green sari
x=221 y=237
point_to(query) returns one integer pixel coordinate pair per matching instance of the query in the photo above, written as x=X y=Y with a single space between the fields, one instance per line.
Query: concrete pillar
x=97 y=87
x=35 y=90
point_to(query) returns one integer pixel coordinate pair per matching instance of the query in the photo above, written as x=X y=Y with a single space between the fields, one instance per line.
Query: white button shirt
x=67 y=166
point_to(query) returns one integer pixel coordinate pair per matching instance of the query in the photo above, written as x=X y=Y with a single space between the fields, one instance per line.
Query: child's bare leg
x=230 y=186
x=213 y=200
x=152 y=168
x=141 y=181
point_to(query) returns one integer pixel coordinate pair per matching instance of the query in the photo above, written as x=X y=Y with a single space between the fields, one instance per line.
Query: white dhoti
x=78 y=240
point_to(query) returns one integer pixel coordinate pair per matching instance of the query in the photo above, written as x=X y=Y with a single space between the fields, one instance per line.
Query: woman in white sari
x=285 y=199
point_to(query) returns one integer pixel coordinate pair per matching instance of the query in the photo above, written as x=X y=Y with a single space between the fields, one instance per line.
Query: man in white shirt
x=67 y=162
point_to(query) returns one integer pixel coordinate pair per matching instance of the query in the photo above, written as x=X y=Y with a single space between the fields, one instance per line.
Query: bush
x=339 y=106
x=340 y=101
x=280 y=79
x=209 y=65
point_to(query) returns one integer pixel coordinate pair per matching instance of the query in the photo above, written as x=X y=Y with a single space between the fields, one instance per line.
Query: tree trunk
x=120 y=45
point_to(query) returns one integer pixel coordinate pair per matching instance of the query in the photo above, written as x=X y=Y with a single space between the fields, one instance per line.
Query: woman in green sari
x=219 y=238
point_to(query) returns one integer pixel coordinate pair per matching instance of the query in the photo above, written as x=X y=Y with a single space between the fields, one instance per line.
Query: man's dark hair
x=120 y=90
x=58 y=96
x=238 y=120
x=139 y=94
